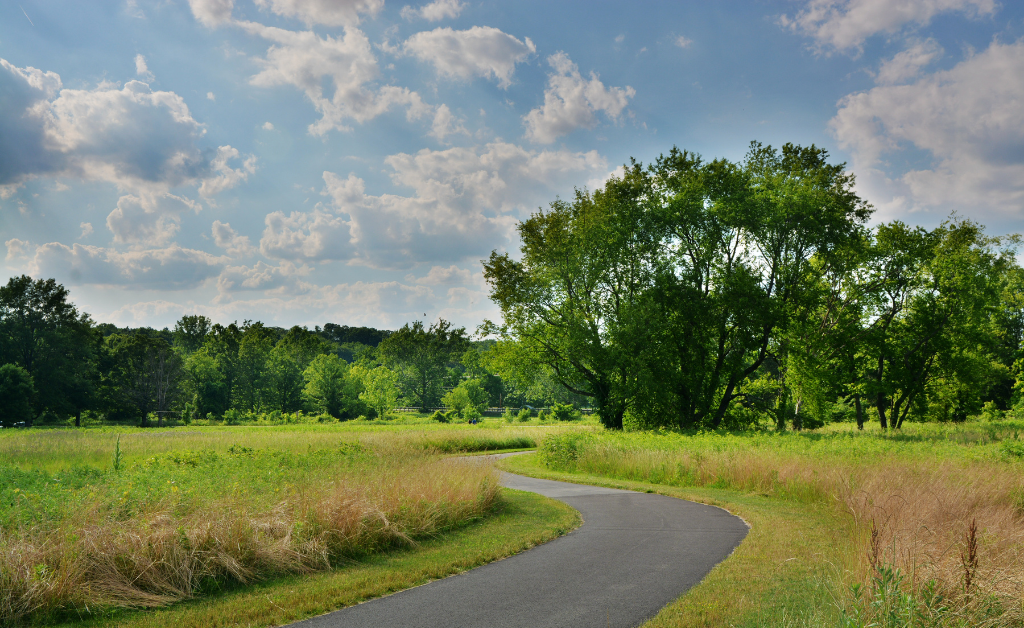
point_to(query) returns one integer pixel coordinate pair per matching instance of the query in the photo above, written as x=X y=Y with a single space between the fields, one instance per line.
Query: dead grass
x=920 y=507
x=93 y=560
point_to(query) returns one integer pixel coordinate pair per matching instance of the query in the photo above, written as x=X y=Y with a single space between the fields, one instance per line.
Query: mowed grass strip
x=781 y=570
x=521 y=521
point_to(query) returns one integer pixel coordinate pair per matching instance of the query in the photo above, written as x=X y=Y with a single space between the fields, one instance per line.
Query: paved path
x=634 y=553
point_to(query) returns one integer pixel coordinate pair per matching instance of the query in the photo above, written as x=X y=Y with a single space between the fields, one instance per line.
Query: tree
x=666 y=291
x=325 y=384
x=283 y=381
x=421 y=357
x=303 y=345
x=468 y=394
x=41 y=331
x=254 y=347
x=17 y=393
x=143 y=376
x=380 y=390
x=203 y=384
x=190 y=333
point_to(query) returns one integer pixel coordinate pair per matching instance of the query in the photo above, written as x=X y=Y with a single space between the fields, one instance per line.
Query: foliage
x=380 y=390
x=421 y=357
x=17 y=391
x=326 y=384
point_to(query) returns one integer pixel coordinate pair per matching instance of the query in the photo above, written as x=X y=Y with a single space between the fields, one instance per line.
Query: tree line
x=698 y=294
x=57 y=364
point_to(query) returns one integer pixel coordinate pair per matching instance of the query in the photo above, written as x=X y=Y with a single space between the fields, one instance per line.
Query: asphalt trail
x=634 y=553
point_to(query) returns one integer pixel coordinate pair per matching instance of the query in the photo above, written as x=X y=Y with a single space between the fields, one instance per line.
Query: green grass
x=778 y=572
x=813 y=498
x=523 y=521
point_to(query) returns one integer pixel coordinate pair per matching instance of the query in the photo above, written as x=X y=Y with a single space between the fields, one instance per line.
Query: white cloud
x=306 y=237
x=323 y=12
x=282 y=279
x=479 y=51
x=446 y=124
x=212 y=13
x=228 y=239
x=908 y=63
x=16 y=249
x=435 y=11
x=683 y=42
x=210 y=96
x=846 y=24
x=268 y=126
x=171 y=268
x=131 y=136
x=303 y=59
x=148 y=219
x=465 y=202
x=222 y=176
x=968 y=119
x=86 y=228
x=571 y=102
x=441 y=275
x=141 y=69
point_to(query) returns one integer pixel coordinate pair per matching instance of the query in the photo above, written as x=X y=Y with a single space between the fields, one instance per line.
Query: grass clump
x=924 y=487
x=181 y=523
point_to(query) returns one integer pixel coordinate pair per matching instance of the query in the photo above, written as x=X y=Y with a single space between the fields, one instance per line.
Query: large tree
x=662 y=293
x=43 y=332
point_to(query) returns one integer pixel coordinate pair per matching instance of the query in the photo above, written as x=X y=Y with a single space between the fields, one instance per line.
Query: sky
x=352 y=161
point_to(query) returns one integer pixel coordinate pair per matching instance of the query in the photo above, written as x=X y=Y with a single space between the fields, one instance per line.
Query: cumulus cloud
x=683 y=42
x=303 y=59
x=281 y=279
x=845 y=24
x=230 y=240
x=323 y=12
x=465 y=202
x=212 y=13
x=481 y=51
x=445 y=124
x=268 y=126
x=441 y=275
x=435 y=11
x=908 y=63
x=571 y=102
x=150 y=219
x=142 y=70
x=86 y=228
x=131 y=136
x=170 y=268
x=967 y=118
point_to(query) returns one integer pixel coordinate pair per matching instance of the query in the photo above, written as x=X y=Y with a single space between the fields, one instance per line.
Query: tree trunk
x=860 y=412
x=880 y=406
x=78 y=419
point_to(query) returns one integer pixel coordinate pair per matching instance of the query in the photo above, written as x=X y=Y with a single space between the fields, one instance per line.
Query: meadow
x=922 y=526
x=102 y=518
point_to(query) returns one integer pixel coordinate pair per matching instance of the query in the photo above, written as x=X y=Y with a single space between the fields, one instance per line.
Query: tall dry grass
x=920 y=506
x=93 y=558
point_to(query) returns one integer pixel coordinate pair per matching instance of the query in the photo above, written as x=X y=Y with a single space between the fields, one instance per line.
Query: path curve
x=634 y=553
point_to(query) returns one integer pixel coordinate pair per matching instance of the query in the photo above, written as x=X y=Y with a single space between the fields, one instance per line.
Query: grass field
x=100 y=518
x=813 y=500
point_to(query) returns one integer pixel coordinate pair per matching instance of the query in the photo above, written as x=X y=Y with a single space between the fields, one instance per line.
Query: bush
x=471 y=413
x=565 y=412
x=564 y=450
x=524 y=415
x=542 y=415
x=439 y=416
x=509 y=415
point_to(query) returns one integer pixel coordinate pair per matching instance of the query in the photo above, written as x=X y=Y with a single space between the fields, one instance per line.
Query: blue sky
x=352 y=161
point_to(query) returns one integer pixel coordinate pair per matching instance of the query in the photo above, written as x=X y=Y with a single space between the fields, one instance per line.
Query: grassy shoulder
x=523 y=520
x=778 y=576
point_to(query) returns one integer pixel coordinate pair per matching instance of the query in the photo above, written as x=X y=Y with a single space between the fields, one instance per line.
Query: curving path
x=634 y=553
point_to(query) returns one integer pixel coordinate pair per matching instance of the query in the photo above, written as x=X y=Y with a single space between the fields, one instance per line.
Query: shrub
x=524 y=415
x=439 y=416
x=564 y=412
x=563 y=451
x=509 y=415
x=471 y=413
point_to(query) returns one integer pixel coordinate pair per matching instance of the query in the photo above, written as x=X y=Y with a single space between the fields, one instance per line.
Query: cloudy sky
x=352 y=161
